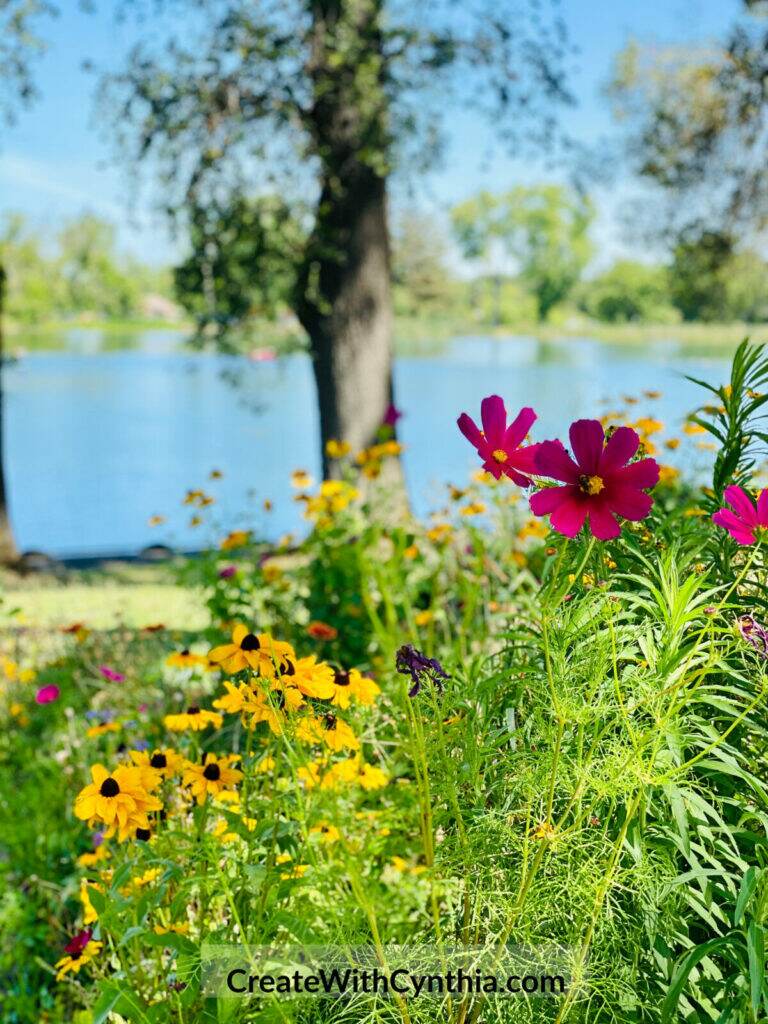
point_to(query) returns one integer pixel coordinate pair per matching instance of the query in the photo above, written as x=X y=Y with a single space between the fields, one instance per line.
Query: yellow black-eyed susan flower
x=210 y=777
x=353 y=685
x=258 y=651
x=118 y=799
x=185 y=659
x=166 y=762
x=194 y=719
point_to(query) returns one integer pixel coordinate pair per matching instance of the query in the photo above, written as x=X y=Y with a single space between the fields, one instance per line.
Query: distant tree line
x=78 y=270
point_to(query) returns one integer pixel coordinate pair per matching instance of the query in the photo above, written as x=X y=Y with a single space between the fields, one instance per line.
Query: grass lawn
x=115 y=593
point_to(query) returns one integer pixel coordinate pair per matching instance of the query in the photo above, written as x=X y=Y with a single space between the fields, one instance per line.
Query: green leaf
x=756 y=953
x=750 y=880
x=681 y=973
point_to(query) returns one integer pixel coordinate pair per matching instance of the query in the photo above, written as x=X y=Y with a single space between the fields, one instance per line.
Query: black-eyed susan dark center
x=193 y=709
x=143 y=834
x=341 y=678
x=250 y=643
x=109 y=787
x=159 y=761
x=329 y=722
x=212 y=772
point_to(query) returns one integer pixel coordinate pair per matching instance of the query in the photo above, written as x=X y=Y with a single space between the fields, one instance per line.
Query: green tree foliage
x=242 y=263
x=709 y=280
x=19 y=45
x=424 y=282
x=78 y=271
x=695 y=123
x=350 y=91
x=543 y=228
x=628 y=292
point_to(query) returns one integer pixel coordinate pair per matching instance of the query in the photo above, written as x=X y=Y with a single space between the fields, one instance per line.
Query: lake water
x=97 y=442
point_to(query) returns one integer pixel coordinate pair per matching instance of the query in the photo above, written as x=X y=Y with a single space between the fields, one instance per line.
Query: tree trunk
x=8 y=551
x=346 y=309
x=343 y=298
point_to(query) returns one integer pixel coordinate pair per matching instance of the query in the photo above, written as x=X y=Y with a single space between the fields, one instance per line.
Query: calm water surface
x=99 y=441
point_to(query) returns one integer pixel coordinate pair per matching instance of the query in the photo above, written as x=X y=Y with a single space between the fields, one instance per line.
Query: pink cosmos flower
x=227 y=572
x=111 y=674
x=47 y=694
x=598 y=484
x=742 y=523
x=497 y=444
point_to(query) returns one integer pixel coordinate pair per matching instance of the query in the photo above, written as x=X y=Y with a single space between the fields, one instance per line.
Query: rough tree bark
x=8 y=551
x=344 y=297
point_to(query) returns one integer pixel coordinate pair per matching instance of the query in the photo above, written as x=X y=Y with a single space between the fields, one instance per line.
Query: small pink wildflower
x=111 y=674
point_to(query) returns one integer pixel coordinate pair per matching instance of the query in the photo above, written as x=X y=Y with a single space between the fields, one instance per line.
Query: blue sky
x=58 y=162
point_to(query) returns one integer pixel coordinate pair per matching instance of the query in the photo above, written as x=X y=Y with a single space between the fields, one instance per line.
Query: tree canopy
x=695 y=124
x=543 y=228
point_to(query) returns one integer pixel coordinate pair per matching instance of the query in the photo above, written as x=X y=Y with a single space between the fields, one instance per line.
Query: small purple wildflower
x=410 y=662
x=754 y=634
x=141 y=744
x=97 y=838
x=391 y=416
x=227 y=572
x=111 y=674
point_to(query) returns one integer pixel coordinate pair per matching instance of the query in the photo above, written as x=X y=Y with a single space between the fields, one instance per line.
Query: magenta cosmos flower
x=497 y=444
x=47 y=694
x=746 y=518
x=598 y=482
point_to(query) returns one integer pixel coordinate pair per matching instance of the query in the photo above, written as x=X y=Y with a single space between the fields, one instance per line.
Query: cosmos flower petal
x=602 y=523
x=739 y=500
x=644 y=473
x=553 y=460
x=762 y=508
x=494 y=417
x=519 y=427
x=619 y=449
x=546 y=501
x=740 y=532
x=587 y=437
x=524 y=459
x=568 y=518
x=629 y=502
x=470 y=430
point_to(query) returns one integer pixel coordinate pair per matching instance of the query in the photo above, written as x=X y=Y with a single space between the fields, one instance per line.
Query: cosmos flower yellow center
x=591 y=484
x=500 y=455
